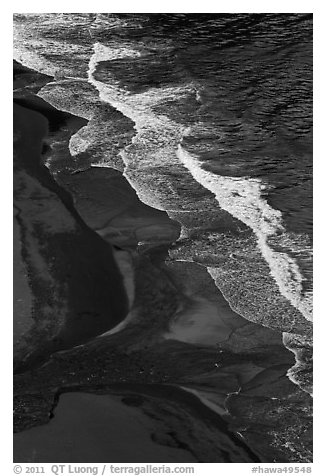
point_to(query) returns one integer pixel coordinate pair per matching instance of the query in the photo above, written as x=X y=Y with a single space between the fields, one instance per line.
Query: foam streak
x=242 y=198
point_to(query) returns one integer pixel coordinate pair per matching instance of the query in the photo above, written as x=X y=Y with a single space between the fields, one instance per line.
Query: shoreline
x=164 y=290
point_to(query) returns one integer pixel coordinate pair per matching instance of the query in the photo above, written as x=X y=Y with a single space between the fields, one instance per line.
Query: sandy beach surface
x=22 y=294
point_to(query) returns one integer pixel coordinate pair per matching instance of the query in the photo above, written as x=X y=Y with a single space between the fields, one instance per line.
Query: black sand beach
x=126 y=350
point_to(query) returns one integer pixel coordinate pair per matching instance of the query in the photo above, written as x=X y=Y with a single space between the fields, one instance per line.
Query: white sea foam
x=137 y=106
x=78 y=143
x=242 y=198
x=299 y=361
x=152 y=129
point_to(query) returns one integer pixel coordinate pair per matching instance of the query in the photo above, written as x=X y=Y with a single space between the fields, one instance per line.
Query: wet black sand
x=88 y=282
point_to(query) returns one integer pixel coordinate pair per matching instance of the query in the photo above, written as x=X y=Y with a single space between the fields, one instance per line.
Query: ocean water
x=221 y=107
